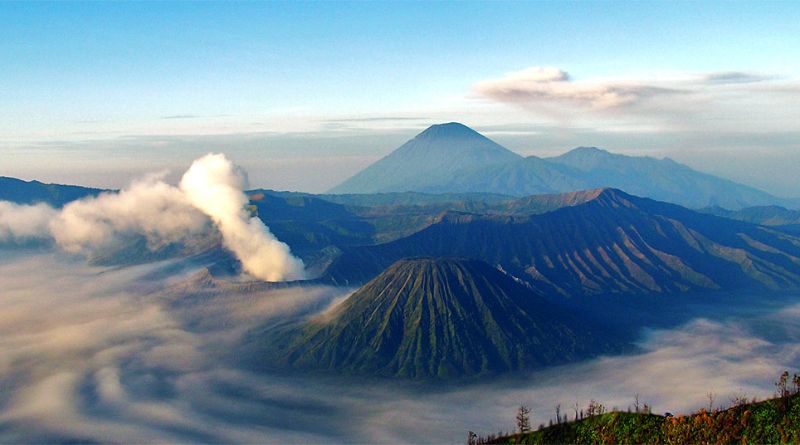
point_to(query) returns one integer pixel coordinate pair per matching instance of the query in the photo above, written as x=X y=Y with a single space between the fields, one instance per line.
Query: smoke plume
x=210 y=196
x=213 y=185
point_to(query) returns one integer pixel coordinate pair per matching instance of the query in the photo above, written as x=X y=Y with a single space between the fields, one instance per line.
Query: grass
x=768 y=422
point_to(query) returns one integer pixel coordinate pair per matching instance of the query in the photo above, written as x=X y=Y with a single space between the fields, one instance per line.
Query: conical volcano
x=441 y=318
x=430 y=158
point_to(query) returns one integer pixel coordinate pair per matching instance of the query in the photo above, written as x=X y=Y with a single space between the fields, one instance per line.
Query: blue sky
x=79 y=78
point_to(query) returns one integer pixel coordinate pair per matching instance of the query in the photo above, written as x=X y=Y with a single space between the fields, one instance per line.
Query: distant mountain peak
x=612 y=197
x=588 y=151
x=440 y=151
x=582 y=153
x=592 y=148
x=449 y=130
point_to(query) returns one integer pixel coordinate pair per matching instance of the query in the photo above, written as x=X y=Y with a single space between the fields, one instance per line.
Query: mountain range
x=602 y=241
x=436 y=318
x=32 y=192
x=591 y=242
x=453 y=158
x=774 y=216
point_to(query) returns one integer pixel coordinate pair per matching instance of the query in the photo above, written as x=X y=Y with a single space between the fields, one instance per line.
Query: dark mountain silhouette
x=604 y=242
x=32 y=192
x=438 y=318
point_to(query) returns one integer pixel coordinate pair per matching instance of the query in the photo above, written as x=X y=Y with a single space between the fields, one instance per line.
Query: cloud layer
x=149 y=207
x=107 y=354
x=21 y=223
x=542 y=86
x=722 y=102
x=94 y=354
x=549 y=86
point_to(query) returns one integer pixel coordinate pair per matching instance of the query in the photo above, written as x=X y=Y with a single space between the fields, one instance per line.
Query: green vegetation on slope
x=310 y=223
x=772 y=421
x=439 y=318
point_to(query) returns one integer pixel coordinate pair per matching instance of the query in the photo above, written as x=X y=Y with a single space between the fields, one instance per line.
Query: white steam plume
x=214 y=185
x=163 y=214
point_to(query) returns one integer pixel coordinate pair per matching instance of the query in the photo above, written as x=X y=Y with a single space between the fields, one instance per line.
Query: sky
x=305 y=94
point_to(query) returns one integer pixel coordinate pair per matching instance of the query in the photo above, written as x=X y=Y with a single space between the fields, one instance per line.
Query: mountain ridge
x=614 y=243
x=408 y=170
x=32 y=192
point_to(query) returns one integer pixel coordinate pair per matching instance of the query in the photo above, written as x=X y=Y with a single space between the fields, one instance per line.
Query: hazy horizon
x=289 y=170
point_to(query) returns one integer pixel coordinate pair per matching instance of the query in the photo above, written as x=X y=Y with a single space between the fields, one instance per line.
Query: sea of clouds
x=115 y=354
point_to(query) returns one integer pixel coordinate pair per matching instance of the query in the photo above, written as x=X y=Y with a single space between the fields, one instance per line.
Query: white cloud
x=537 y=85
x=20 y=223
x=538 y=74
x=713 y=95
x=149 y=207
x=721 y=122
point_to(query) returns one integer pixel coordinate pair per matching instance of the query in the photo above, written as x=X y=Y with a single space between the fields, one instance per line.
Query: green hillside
x=768 y=422
x=438 y=318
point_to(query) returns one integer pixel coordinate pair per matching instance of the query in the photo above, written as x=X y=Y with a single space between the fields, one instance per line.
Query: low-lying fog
x=98 y=354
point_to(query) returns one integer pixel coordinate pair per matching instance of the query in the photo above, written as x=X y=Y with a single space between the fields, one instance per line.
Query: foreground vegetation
x=771 y=421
